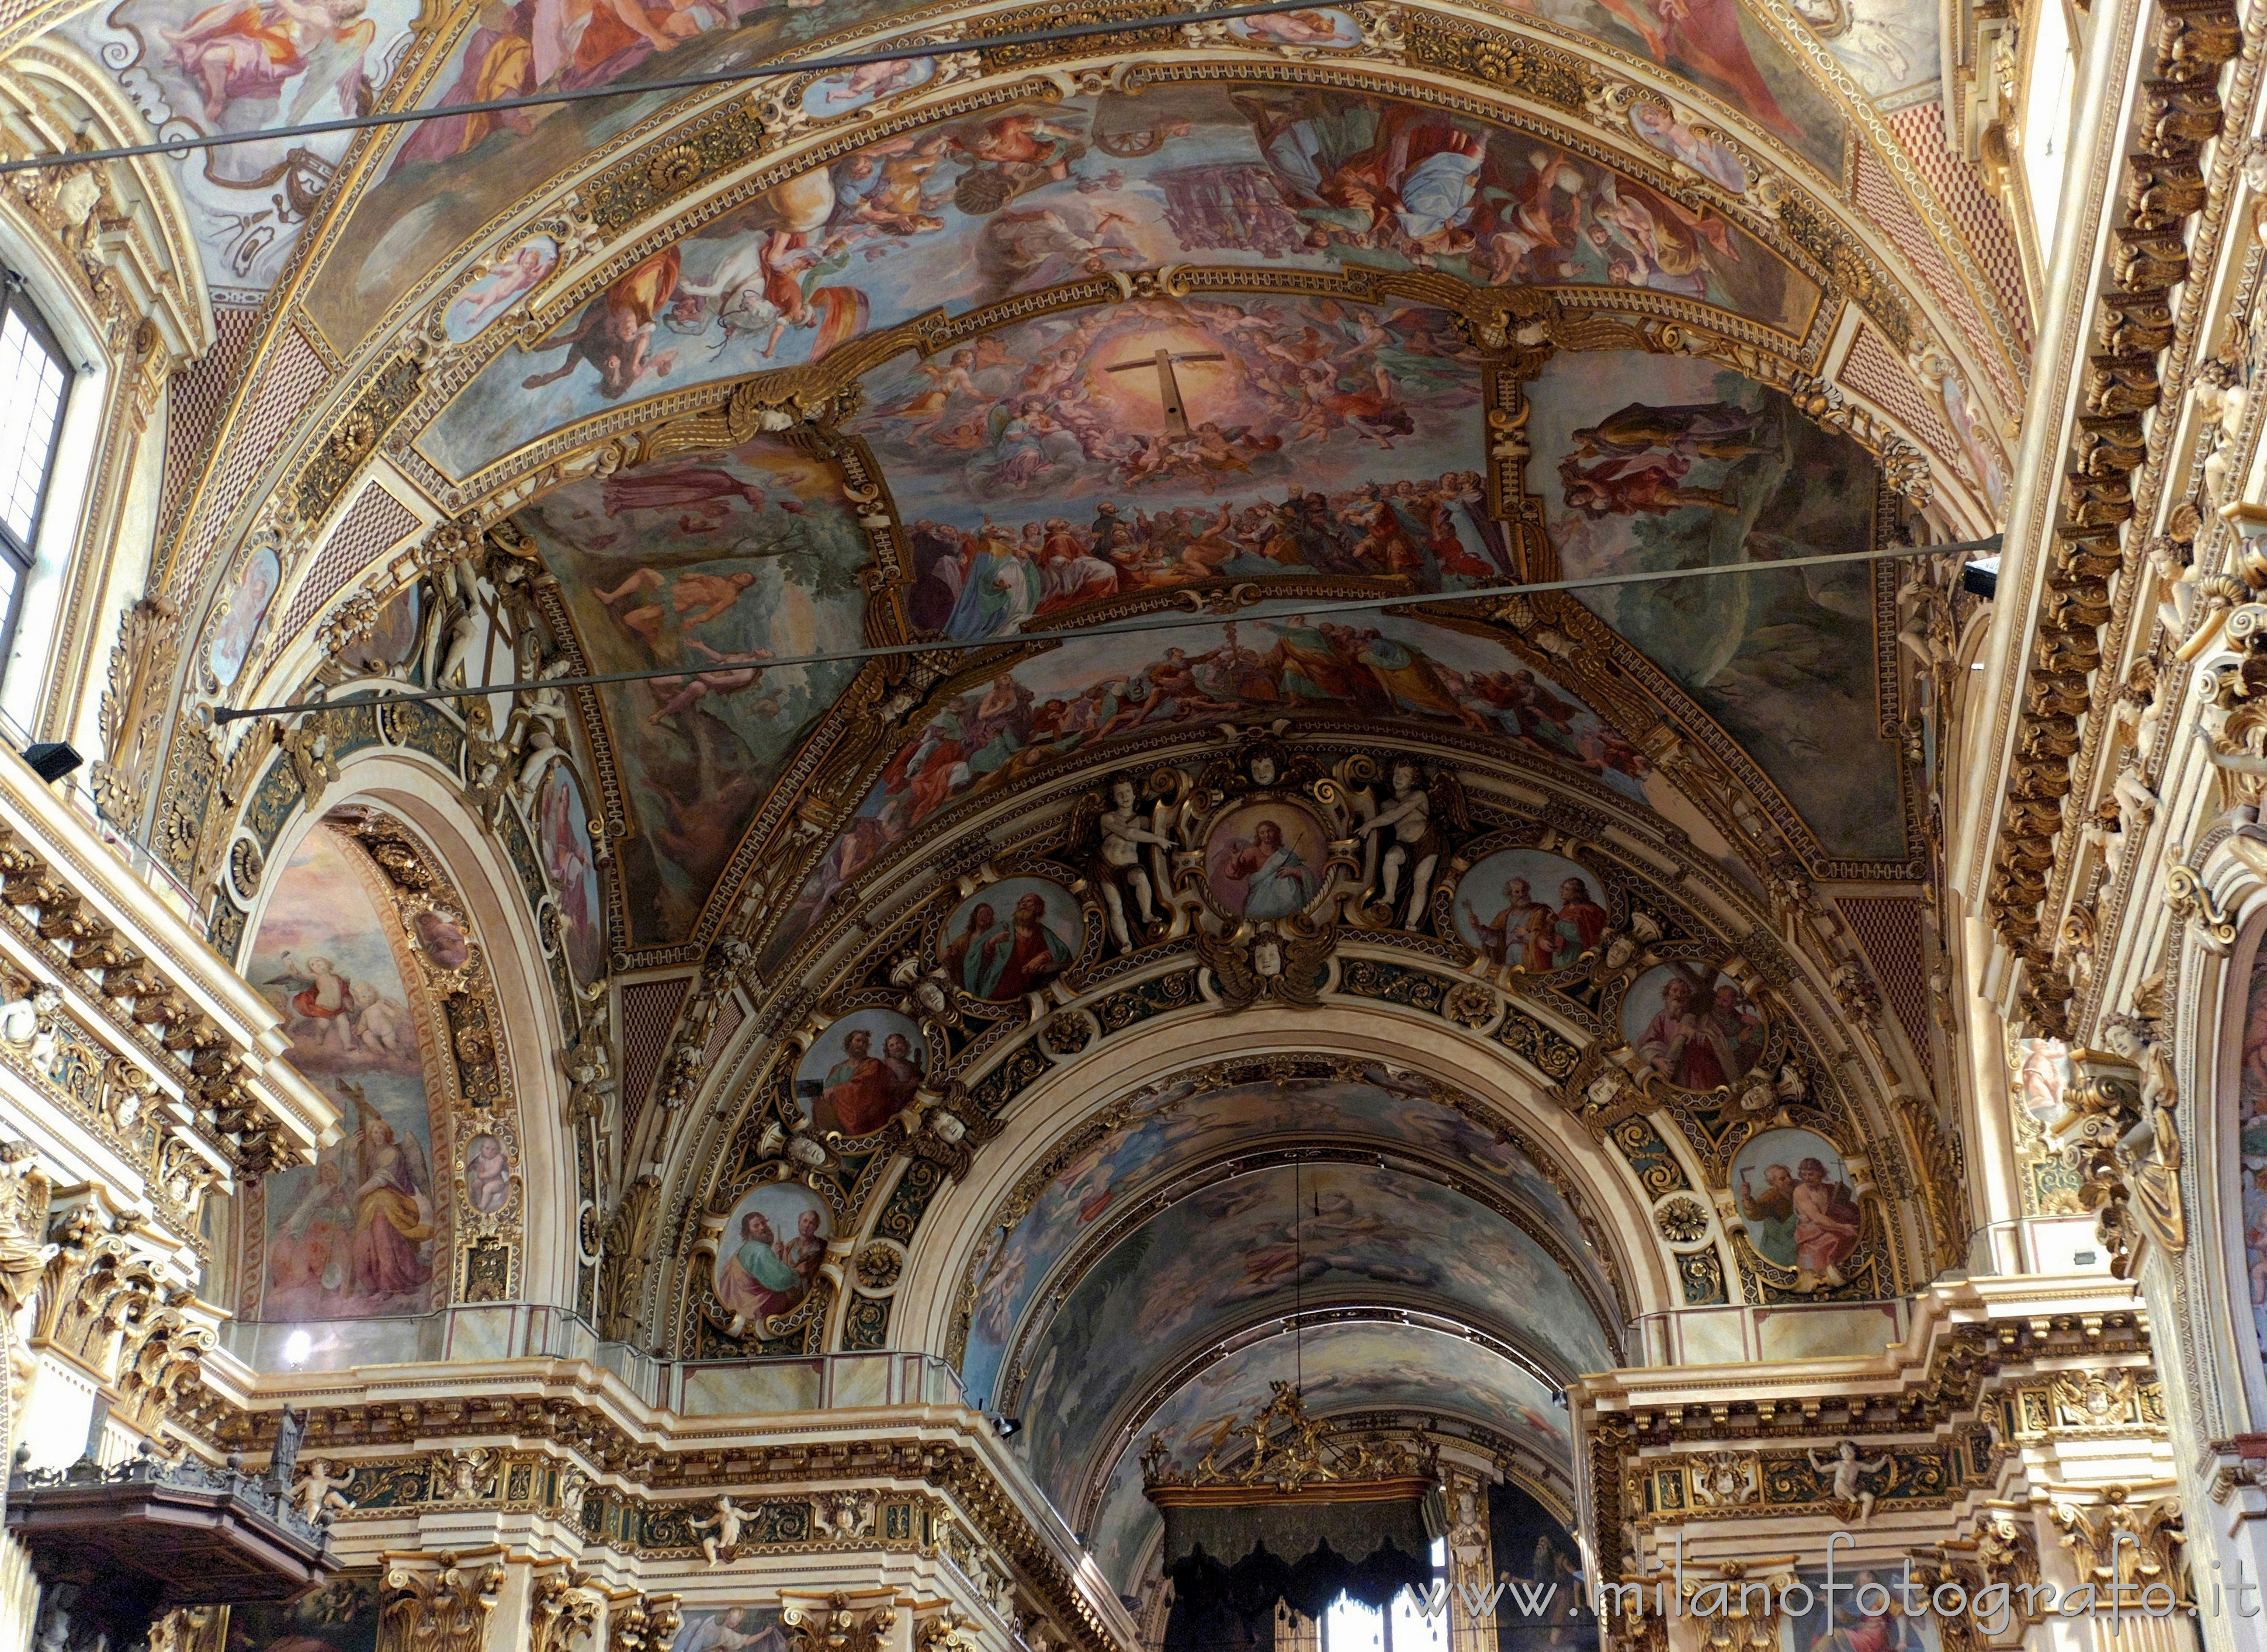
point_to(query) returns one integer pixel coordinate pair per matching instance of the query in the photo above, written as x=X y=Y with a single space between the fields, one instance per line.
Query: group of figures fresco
x=1696 y=1028
x=1794 y=1195
x=1646 y=462
x=973 y=210
x=1011 y=938
x=1073 y=699
x=1498 y=915
x=1432 y=192
x=774 y=1242
x=862 y=1070
x=241 y=66
x=360 y=1231
x=1142 y=446
x=719 y=564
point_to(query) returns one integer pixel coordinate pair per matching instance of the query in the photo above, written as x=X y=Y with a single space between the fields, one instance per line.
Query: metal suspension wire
x=682 y=83
x=1162 y=623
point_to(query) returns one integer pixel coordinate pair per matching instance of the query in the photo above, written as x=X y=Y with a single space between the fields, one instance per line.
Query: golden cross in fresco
x=1169 y=388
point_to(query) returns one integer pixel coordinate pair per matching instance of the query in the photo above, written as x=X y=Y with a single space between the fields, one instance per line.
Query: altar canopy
x=1307 y=1517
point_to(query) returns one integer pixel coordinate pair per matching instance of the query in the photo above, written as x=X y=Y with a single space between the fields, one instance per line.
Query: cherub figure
x=1118 y=869
x=1848 y=1474
x=724 y=1527
x=320 y=1495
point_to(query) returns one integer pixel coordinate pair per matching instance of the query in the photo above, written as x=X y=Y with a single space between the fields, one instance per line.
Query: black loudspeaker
x=52 y=759
x=1979 y=581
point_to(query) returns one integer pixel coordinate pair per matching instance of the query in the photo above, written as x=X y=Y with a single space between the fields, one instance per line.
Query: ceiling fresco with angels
x=1247 y=343
x=968 y=212
x=1086 y=467
x=418 y=195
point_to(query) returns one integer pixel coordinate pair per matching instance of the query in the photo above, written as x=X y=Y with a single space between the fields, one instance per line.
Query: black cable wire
x=1167 y=622
x=682 y=83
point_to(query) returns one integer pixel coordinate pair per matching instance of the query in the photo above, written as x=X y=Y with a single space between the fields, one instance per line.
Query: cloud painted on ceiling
x=1175 y=1128
x=1228 y=1256
x=197 y=70
x=971 y=211
x=717 y=564
x=1341 y=1368
x=361 y=1231
x=1652 y=462
x=445 y=178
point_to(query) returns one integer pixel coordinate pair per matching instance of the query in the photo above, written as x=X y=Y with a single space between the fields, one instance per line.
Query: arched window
x=34 y=380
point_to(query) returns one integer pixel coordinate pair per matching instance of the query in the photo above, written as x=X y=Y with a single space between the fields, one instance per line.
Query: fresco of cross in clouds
x=1169 y=386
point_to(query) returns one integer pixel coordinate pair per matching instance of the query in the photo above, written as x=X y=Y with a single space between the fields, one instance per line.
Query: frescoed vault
x=1078 y=860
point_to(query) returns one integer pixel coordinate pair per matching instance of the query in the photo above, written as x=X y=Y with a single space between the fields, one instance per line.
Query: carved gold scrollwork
x=2136 y=1544
x=839 y=1626
x=2186 y=897
x=445 y=1610
x=560 y=1609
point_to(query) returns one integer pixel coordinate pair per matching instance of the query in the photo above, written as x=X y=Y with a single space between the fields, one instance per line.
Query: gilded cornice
x=542 y=1435
x=2156 y=679
x=2151 y=254
x=1993 y=1368
x=76 y=919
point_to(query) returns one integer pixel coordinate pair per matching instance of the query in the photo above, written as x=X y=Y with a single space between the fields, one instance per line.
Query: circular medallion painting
x=864 y=1069
x=1264 y=859
x=771 y=1249
x=1011 y=938
x=1524 y=909
x=1695 y=1027
x=1794 y=1195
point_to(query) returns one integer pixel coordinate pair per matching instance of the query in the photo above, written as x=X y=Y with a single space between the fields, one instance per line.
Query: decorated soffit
x=417 y=195
x=1106 y=1177
x=1588 y=342
x=527 y=218
x=1232 y=1254
x=1354 y=445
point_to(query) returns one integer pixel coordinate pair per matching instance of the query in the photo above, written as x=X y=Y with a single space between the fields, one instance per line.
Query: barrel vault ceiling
x=1226 y=322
